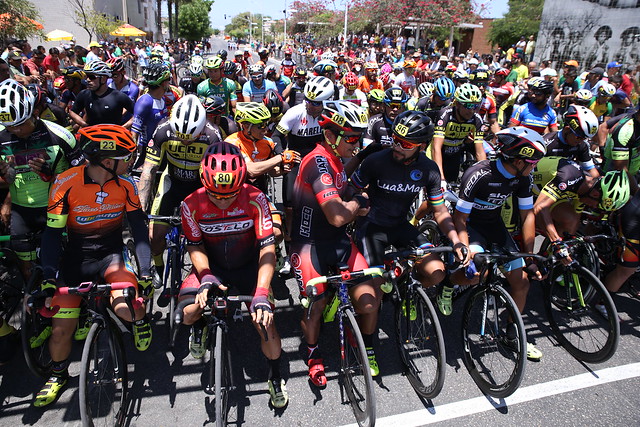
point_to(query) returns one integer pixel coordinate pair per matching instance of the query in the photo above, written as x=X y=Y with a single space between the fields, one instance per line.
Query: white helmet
x=426 y=89
x=16 y=103
x=328 y=55
x=318 y=88
x=607 y=89
x=188 y=118
x=581 y=120
x=345 y=115
x=583 y=95
x=196 y=70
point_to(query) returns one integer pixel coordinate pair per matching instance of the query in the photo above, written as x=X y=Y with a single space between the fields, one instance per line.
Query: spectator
x=51 y=62
x=530 y=48
x=94 y=52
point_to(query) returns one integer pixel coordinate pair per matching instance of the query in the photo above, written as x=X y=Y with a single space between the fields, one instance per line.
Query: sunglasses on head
x=222 y=196
x=404 y=144
x=349 y=139
x=470 y=105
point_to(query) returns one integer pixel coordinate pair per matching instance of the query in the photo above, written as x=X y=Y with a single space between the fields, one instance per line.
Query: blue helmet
x=444 y=88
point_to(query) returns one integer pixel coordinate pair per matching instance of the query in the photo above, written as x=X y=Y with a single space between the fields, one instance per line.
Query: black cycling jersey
x=296 y=95
x=55 y=114
x=393 y=186
x=558 y=178
x=188 y=85
x=556 y=146
x=424 y=105
x=378 y=131
x=106 y=108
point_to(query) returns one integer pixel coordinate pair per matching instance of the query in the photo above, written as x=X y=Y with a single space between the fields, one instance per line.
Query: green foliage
x=17 y=26
x=95 y=23
x=523 y=19
x=193 y=20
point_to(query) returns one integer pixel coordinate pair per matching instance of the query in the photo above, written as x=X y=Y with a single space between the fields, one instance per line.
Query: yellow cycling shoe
x=142 y=335
x=50 y=391
x=533 y=353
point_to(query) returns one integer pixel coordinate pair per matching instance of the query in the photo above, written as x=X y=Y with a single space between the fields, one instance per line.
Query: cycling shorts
x=108 y=269
x=373 y=239
x=313 y=259
x=486 y=236
x=630 y=256
x=170 y=195
x=23 y=221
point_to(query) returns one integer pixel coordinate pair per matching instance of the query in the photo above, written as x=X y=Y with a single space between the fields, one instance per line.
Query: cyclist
x=288 y=65
x=254 y=89
x=277 y=108
x=500 y=87
x=375 y=100
x=443 y=90
x=370 y=80
x=296 y=89
x=425 y=90
x=222 y=54
x=33 y=152
x=215 y=109
x=230 y=72
x=327 y=68
x=583 y=97
x=100 y=103
x=195 y=76
x=219 y=85
x=488 y=111
x=45 y=110
x=630 y=257
x=119 y=80
x=319 y=240
x=601 y=103
x=580 y=125
x=242 y=261
x=350 y=91
x=177 y=146
x=379 y=128
x=238 y=59
x=536 y=114
x=460 y=77
x=74 y=84
x=97 y=191
x=406 y=80
x=622 y=145
x=483 y=189
x=281 y=81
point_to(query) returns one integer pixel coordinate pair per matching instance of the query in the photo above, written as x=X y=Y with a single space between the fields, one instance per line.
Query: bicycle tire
x=421 y=344
x=222 y=379
x=490 y=342
x=355 y=372
x=582 y=330
x=174 y=276
x=103 y=378
x=431 y=231
x=33 y=325
x=11 y=288
x=182 y=71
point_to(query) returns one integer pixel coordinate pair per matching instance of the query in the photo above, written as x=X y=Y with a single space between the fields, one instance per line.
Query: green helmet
x=468 y=93
x=252 y=112
x=615 y=190
x=376 y=95
x=213 y=63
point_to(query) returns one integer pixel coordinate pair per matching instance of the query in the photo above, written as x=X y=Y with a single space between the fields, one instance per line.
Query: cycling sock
x=274 y=368
x=5 y=328
x=368 y=340
x=312 y=351
x=59 y=369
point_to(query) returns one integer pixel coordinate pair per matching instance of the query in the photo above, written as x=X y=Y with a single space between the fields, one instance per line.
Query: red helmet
x=223 y=170
x=450 y=68
x=351 y=81
x=502 y=72
x=116 y=64
x=59 y=84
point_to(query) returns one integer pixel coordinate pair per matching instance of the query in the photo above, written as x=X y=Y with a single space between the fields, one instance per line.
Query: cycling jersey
x=130 y=89
x=505 y=110
x=623 y=143
x=393 y=186
x=502 y=93
x=106 y=108
x=55 y=114
x=301 y=129
x=49 y=141
x=534 y=118
x=230 y=236
x=255 y=151
x=296 y=95
x=488 y=108
x=256 y=94
x=378 y=131
x=181 y=160
x=600 y=110
x=148 y=112
x=282 y=83
x=558 y=178
x=406 y=83
x=556 y=146
x=287 y=66
x=68 y=97
x=357 y=97
x=188 y=85
x=226 y=89
x=366 y=85
x=425 y=105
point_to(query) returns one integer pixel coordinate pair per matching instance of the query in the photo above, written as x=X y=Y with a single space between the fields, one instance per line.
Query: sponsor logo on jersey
x=310 y=131
x=562 y=186
x=210 y=215
x=295 y=260
x=416 y=175
x=197 y=149
x=104 y=207
x=305 y=221
x=95 y=218
x=400 y=187
x=473 y=179
x=236 y=211
x=326 y=179
x=226 y=227
x=100 y=196
x=191 y=223
x=341 y=178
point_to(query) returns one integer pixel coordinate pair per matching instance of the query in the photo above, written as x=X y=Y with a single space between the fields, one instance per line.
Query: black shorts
x=170 y=195
x=373 y=239
x=23 y=221
x=482 y=237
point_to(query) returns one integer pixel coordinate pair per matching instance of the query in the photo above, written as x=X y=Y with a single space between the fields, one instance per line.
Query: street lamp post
x=346 y=17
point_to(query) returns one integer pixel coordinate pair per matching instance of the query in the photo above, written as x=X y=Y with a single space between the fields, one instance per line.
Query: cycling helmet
x=344 y=115
x=222 y=54
x=318 y=88
x=397 y=66
x=583 y=95
x=155 y=61
x=607 y=89
x=116 y=64
x=540 y=84
x=106 y=141
x=376 y=95
x=270 y=71
x=214 y=105
x=479 y=76
x=444 y=88
x=350 y=81
x=425 y=89
x=98 y=68
x=263 y=52
x=252 y=112
x=213 y=63
x=395 y=94
x=238 y=53
x=328 y=56
x=156 y=73
x=450 y=69
x=324 y=67
x=256 y=69
x=288 y=51
x=468 y=92
x=73 y=73
x=156 y=53
x=521 y=143
x=409 y=64
x=581 y=120
x=188 y=118
x=300 y=72
x=370 y=66
x=615 y=190
x=223 y=170
x=16 y=103
x=196 y=70
x=461 y=75
x=59 y=83
x=197 y=59
x=273 y=101
x=413 y=126
x=502 y=72
x=39 y=95
x=230 y=68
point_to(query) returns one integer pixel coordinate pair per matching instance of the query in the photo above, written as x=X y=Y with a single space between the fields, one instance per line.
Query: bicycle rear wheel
x=421 y=343
x=587 y=333
x=35 y=331
x=222 y=377
x=355 y=371
x=495 y=362
x=103 y=378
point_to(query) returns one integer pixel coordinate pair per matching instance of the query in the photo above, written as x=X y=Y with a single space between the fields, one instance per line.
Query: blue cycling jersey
x=147 y=113
x=530 y=116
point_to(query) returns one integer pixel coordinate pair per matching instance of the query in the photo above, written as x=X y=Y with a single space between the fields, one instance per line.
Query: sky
x=274 y=8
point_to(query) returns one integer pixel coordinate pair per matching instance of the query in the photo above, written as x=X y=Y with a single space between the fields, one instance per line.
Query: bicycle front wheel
x=494 y=357
x=222 y=377
x=356 y=374
x=421 y=343
x=103 y=378
x=582 y=314
x=175 y=277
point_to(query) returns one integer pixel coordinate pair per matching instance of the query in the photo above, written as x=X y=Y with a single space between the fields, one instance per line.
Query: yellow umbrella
x=56 y=35
x=128 y=30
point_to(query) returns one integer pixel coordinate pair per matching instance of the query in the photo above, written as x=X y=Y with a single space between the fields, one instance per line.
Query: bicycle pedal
x=237 y=315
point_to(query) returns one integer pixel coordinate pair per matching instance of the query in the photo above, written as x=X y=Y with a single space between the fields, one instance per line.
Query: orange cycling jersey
x=257 y=151
x=367 y=86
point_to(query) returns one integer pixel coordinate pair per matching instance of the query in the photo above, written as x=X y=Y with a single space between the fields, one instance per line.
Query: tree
x=93 y=22
x=523 y=19
x=18 y=22
x=193 y=20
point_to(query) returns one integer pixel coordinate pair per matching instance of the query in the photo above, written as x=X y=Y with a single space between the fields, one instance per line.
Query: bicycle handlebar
x=417 y=252
x=343 y=276
x=173 y=220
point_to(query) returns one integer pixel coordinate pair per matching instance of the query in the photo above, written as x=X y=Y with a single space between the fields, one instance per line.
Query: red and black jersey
x=230 y=236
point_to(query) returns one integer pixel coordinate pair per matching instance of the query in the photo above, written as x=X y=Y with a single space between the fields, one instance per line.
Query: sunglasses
x=531 y=162
x=256 y=76
x=92 y=77
x=470 y=105
x=222 y=197
x=349 y=139
x=394 y=105
x=262 y=125
x=126 y=158
x=314 y=103
x=405 y=145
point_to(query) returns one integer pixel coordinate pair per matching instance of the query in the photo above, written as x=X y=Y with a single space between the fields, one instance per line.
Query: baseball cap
x=572 y=63
x=14 y=55
x=444 y=58
x=548 y=72
x=516 y=56
x=597 y=70
x=614 y=64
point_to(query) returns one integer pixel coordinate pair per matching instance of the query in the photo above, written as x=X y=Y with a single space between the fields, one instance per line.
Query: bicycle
x=418 y=330
x=220 y=369
x=354 y=363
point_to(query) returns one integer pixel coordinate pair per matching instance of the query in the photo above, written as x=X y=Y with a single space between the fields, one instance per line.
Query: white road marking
x=525 y=394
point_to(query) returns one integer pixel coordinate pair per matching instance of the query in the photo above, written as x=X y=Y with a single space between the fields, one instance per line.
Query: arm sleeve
x=139 y=229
